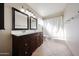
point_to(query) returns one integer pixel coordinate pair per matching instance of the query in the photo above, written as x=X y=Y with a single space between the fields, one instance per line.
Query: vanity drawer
x=27 y=53
x=24 y=49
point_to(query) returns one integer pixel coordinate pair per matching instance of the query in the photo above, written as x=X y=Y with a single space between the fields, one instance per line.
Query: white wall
x=72 y=27
x=5 y=35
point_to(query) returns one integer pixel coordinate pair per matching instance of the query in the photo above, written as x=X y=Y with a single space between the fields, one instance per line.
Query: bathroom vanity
x=26 y=37
x=25 y=45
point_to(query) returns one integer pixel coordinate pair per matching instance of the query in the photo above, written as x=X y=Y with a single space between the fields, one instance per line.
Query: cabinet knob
x=25 y=52
x=25 y=44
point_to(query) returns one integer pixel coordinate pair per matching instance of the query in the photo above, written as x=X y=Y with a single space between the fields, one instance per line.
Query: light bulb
x=29 y=13
x=26 y=12
x=22 y=9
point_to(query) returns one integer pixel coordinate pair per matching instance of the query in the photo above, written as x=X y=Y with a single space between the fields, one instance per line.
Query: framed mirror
x=33 y=23
x=20 y=20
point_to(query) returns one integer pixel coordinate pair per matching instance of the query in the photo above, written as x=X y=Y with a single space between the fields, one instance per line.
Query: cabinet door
x=15 y=45
x=26 y=45
x=1 y=15
x=39 y=39
x=32 y=44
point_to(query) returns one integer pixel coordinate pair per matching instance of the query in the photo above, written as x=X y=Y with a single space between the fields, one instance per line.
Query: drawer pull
x=25 y=52
x=25 y=44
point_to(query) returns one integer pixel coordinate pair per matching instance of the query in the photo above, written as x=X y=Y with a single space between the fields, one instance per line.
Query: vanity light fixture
x=27 y=11
x=22 y=9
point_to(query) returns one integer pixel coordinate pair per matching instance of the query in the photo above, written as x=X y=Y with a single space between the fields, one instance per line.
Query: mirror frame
x=31 y=23
x=13 y=19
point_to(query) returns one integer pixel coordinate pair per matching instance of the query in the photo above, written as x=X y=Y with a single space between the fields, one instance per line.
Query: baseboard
x=4 y=54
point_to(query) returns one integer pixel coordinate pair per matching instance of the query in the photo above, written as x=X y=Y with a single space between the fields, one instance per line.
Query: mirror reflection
x=33 y=23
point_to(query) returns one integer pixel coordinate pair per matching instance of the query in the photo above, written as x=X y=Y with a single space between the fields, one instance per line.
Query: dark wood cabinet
x=25 y=45
x=1 y=16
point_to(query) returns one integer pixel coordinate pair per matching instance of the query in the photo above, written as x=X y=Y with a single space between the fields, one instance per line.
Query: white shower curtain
x=53 y=28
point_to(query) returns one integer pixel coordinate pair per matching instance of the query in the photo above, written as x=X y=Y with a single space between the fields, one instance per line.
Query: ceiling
x=47 y=9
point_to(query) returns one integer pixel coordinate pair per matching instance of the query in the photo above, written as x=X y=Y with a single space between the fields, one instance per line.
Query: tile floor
x=52 y=47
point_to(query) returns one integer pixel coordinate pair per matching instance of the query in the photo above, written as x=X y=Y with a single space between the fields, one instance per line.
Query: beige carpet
x=52 y=48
